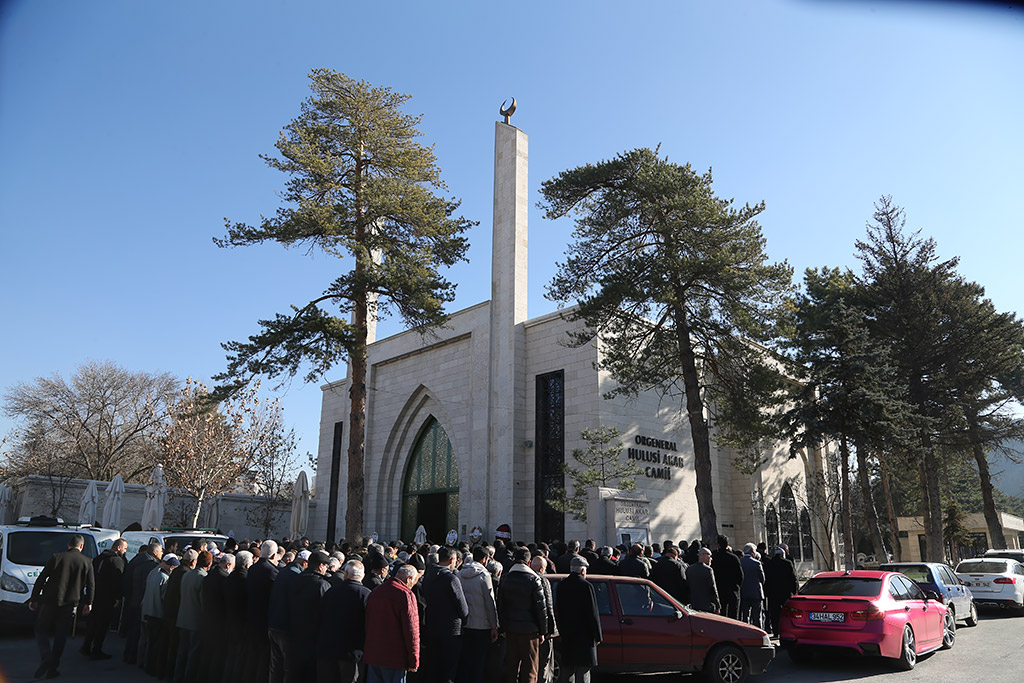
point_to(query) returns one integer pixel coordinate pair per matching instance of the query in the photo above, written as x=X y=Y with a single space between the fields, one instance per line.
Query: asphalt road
x=991 y=652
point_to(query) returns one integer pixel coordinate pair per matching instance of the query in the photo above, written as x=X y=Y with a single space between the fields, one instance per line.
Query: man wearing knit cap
x=579 y=623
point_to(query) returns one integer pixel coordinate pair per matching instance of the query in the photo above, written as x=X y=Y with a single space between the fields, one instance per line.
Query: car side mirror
x=932 y=595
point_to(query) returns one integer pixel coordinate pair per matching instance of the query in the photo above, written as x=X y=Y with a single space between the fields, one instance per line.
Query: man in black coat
x=108 y=569
x=589 y=552
x=669 y=573
x=578 y=623
x=66 y=580
x=172 y=603
x=522 y=617
x=563 y=561
x=632 y=565
x=342 y=619
x=605 y=565
x=780 y=584
x=134 y=584
x=237 y=610
x=214 y=630
x=307 y=591
x=445 y=613
x=700 y=579
x=258 y=585
x=728 y=578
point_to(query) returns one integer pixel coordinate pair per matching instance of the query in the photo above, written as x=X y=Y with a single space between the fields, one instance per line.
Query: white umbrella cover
x=6 y=496
x=112 y=504
x=156 y=499
x=90 y=503
x=300 y=506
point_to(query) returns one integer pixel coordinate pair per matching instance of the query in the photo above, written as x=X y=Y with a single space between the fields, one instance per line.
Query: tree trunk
x=195 y=515
x=995 y=525
x=890 y=511
x=933 y=507
x=849 y=555
x=357 y=388
x=874 y=530
x=699 y=432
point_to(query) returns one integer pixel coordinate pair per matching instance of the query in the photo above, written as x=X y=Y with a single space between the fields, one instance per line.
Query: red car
x=647 y=630
x=868 y=612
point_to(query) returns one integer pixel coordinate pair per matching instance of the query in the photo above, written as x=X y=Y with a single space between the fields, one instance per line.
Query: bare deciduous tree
x=100 y=422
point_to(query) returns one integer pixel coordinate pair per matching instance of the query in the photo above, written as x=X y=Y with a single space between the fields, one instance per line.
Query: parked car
x=875 y=613
x=941 y=579
x=646 y=630
x=25 y=548
x=1009 y=553
x=994 y=581
x=196 y=538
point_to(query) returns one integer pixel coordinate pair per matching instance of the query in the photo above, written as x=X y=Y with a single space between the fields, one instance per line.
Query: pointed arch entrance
x=430 y=487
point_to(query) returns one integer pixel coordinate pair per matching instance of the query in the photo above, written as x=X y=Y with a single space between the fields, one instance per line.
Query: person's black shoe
x=41 y=670
x=85 y=651
x=95 y=656
x=52 y=673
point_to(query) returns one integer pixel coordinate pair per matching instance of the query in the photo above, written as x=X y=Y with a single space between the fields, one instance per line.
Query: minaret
x=508 y=313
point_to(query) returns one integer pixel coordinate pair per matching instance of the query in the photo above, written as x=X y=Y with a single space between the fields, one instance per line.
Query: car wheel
x=972 y=618
x=908 y=653
x=726 y=664
x=949 y=630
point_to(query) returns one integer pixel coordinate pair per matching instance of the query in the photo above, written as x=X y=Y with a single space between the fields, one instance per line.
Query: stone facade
x=478 y=378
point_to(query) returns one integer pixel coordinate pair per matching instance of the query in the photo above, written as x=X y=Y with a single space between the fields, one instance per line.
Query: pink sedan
x=867 y=612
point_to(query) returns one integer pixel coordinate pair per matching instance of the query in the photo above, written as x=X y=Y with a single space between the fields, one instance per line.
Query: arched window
x=430 y=495
x=771 y=526
x=789 y=522
x=806 y=542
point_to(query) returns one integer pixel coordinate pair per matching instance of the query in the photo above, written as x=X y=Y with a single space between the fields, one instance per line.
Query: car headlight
x=12 y=584
x=766 y=640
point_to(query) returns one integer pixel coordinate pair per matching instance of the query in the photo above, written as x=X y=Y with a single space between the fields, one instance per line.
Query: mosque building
x=471 y=428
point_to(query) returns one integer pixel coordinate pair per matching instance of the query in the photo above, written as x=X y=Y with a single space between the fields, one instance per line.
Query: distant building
x=472 y=427
x=913 y=542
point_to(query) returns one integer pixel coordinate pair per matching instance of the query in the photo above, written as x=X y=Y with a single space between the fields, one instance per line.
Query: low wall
x=241 y=515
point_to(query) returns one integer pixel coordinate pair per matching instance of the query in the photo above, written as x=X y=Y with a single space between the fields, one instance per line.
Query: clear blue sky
x=129 y=130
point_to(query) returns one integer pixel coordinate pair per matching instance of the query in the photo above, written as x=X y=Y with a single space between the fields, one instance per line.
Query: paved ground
x=992 y=651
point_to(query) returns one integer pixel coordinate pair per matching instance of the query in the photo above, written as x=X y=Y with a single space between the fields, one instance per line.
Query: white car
x=195 y=538
x=25 y=548
x=994 y=581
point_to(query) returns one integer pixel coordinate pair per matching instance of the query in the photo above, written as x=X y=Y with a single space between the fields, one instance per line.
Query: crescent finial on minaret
x=509 y=110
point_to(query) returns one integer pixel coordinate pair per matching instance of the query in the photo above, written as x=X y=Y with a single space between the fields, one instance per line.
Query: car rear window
x=982 y=566
x=849 y=586
x=604 y=601
x=34 y=548
x=915 y=572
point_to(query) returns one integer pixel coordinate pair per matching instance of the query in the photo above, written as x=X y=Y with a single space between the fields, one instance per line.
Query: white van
x=183 y=537
x=25 y=547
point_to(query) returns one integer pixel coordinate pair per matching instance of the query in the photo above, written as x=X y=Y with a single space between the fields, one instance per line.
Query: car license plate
x=828 y=616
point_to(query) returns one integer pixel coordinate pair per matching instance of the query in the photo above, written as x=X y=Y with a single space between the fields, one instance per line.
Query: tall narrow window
x=550 y=454
x=332 y=501
x=771 y=525
x=806 y=542
x=789 y=522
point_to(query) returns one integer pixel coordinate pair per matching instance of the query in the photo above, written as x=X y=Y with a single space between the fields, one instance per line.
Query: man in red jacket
x=392 y=629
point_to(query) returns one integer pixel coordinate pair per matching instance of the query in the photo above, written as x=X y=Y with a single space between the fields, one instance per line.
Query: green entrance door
x=430 y=490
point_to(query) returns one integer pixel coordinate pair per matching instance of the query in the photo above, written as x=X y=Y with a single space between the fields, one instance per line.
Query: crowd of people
x=298 y=612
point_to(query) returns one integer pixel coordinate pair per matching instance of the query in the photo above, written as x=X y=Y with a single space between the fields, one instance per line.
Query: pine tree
x=676 y=284
x=361 y=189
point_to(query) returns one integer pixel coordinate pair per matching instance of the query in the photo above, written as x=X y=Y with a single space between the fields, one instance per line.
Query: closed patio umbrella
x=90 y=503
x=300 y=507
x=112 y=503
x=156 y=499
x=6 y=496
